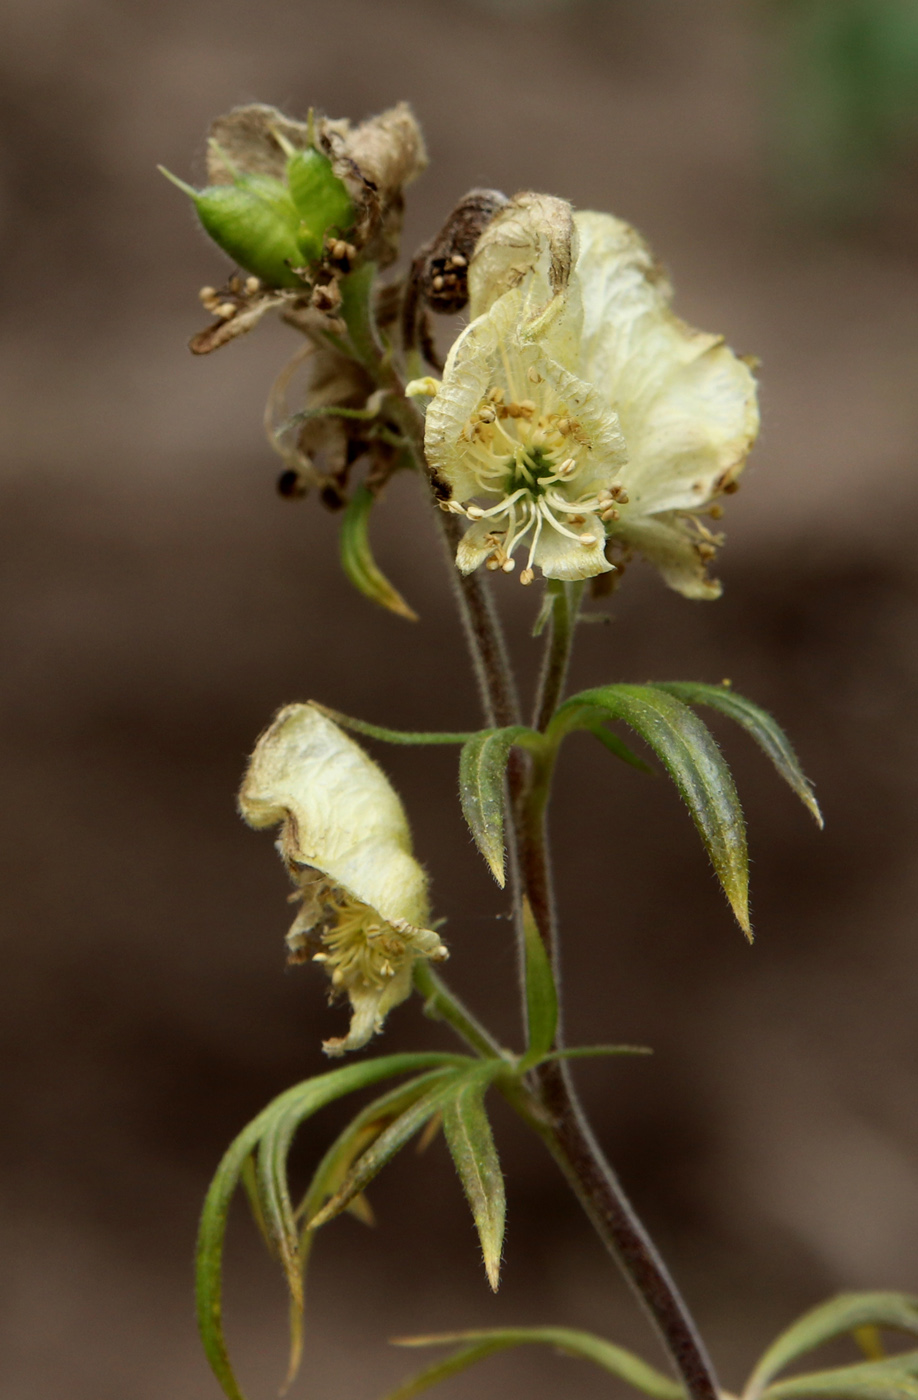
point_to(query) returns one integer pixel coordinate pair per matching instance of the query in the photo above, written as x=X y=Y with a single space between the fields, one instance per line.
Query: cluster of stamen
x=528 y=458
x=358 y=948
x=234 y=297
x=705 y=542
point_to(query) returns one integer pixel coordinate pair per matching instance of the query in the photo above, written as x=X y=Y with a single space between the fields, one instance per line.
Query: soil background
x=159 y=601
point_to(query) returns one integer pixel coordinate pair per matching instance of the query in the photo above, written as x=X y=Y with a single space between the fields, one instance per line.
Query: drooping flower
x=345 y=841
x=577 y=409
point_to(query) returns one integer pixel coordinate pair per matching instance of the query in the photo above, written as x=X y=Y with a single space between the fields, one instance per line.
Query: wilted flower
x=345 y=841
x=576 y=406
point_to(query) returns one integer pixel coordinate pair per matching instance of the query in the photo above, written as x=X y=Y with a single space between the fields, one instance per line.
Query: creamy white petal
x=560 y=557
x=602 y=451
x=668 y=543
x=339 y=811
x=534 y=240
x=475 y=546
x=370 y=1007
x=685 y=402
x=487 y=352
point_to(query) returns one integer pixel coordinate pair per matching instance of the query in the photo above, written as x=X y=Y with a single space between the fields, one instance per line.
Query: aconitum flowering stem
x=566 y=1133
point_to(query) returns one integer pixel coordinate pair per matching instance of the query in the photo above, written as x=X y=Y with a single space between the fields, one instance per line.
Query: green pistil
x=531 y=470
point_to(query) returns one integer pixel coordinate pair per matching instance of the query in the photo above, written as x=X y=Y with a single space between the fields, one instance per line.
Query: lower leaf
x=584 y=1345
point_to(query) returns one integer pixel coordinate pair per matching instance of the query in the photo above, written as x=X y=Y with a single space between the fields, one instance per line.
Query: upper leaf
x=691 y=757
x=482 y=768
x=765 y=730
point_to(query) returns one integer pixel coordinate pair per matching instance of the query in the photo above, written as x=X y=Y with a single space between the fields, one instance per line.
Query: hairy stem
x=443 y=1005
x=566 y=1131
x=565 y=606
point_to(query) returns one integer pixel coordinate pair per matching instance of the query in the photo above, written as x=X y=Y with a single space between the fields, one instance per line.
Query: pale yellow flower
x=575 y=406
x=345 y=841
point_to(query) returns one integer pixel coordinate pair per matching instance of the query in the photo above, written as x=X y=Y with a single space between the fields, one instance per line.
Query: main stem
x=566 y=1131
x=567 y=1134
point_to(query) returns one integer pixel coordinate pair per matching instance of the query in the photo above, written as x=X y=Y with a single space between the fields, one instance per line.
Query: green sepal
x=845 y=1314
x=293 y=1106
x=687 y=749
x=583 y=1345
x=471 y=1145
x=482 y=769
x=357 y=557
x=757 y=722
x=541 y=992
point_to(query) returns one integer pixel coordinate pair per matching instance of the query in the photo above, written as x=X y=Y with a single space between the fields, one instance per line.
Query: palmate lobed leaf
x=690 y=755
x=584 y=1345
x=839 y=1316
x=482 y=770
x=302 y=1100
x=758 y=723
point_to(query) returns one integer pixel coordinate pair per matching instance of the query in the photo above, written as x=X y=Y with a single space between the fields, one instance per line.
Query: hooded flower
x=345 y=841
x=577 y=408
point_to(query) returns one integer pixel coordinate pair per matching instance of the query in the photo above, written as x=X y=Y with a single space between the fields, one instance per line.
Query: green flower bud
x=253 y=220
x=321 y=199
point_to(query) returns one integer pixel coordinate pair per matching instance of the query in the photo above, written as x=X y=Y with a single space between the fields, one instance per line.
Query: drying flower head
x=576 y=409
x=345 y=840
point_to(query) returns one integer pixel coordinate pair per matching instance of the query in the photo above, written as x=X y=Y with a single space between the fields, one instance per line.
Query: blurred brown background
x=159 y=601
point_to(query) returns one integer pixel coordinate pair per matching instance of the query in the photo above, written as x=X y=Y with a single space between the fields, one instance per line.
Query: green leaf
x=395 y=1136
x=471 y=1144
x=617 y=746
x=893 y=1379
x=585 y=1345
x=838 y=1316
x=357 y=557
x=304 y=1100
x=394 y=736
x=541 y=992
x=482 y=768
x=331 y=1171
x=766 y=732
x=687 y=750
x=357 y=1137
